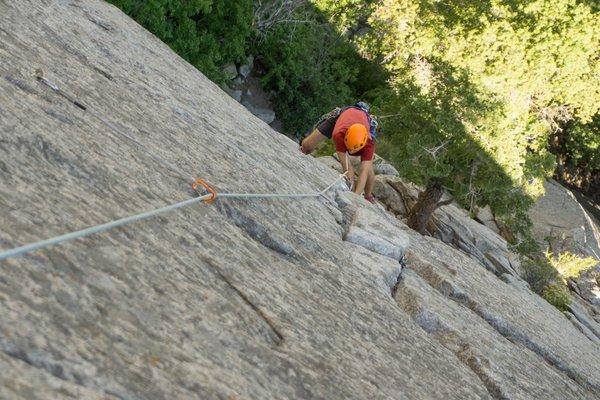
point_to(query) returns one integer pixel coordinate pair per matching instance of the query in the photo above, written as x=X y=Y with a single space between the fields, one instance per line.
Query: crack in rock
x=257 y=231
x=513 y=334
x=497 y=363
x=279 y=338
x=21 y=85
x=480 y=365
x=502 y=326
x=430 y=322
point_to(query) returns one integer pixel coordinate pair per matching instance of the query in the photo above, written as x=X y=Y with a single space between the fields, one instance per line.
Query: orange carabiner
x=210 y=189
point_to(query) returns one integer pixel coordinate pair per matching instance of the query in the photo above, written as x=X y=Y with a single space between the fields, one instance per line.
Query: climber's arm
x=365 y=169
x=310 y=142
x=346 y=166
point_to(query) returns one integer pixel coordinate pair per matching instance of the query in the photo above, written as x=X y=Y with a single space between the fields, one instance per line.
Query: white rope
x=148 y=214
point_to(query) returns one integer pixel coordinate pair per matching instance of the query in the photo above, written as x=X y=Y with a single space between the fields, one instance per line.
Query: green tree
x=207 y=33
x=310 y=67
x=476 y=88
x=582 y=143
x=470 y=91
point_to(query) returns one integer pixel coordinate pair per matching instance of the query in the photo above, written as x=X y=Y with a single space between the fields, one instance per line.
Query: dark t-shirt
x=335 y=128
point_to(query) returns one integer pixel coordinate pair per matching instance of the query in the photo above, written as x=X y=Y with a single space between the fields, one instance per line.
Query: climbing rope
x=210 y=197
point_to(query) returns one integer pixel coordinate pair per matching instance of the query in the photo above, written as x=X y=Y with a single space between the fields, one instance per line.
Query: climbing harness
x=210 y=197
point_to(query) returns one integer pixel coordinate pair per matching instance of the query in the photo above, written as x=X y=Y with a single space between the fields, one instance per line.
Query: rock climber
x=352 y=130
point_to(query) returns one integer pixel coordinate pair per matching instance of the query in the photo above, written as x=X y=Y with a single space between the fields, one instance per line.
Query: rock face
x=559 y=221
x=486 y=217
x=452 y=225
x=446 y=308
x=241 y=298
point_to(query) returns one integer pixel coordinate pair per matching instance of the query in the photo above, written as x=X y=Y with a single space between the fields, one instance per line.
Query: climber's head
x=356 y=138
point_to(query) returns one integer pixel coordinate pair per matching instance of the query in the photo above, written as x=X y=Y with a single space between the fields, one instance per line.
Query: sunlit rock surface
x=238 y=299
x=562 y=224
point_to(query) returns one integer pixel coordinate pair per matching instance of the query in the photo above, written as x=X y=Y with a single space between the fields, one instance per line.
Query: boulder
x=234 y=93
x=265 y=114
x=388 y=196
x=237 y=81
x=230 y=71
x=382 y=167
x=486 y=217
x=560 y=222
x=244 y=70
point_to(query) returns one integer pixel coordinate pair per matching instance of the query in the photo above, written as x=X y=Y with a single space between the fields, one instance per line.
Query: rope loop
x=209 y=188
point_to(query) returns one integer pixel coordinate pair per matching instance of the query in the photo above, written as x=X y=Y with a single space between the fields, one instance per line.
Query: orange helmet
x=356 y=138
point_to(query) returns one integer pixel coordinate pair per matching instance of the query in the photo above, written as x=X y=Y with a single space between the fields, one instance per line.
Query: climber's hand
x=304 y=148
x=349 y=182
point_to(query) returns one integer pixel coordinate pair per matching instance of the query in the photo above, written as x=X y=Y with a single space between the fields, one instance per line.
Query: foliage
x=548 y=275
x=310 y=67
x=543 y=271
x=540 y=274
x=571 y=265
x=583 y=143
x=470 y=91
x=207 y=33
x=474 y=87
x=558 y=296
